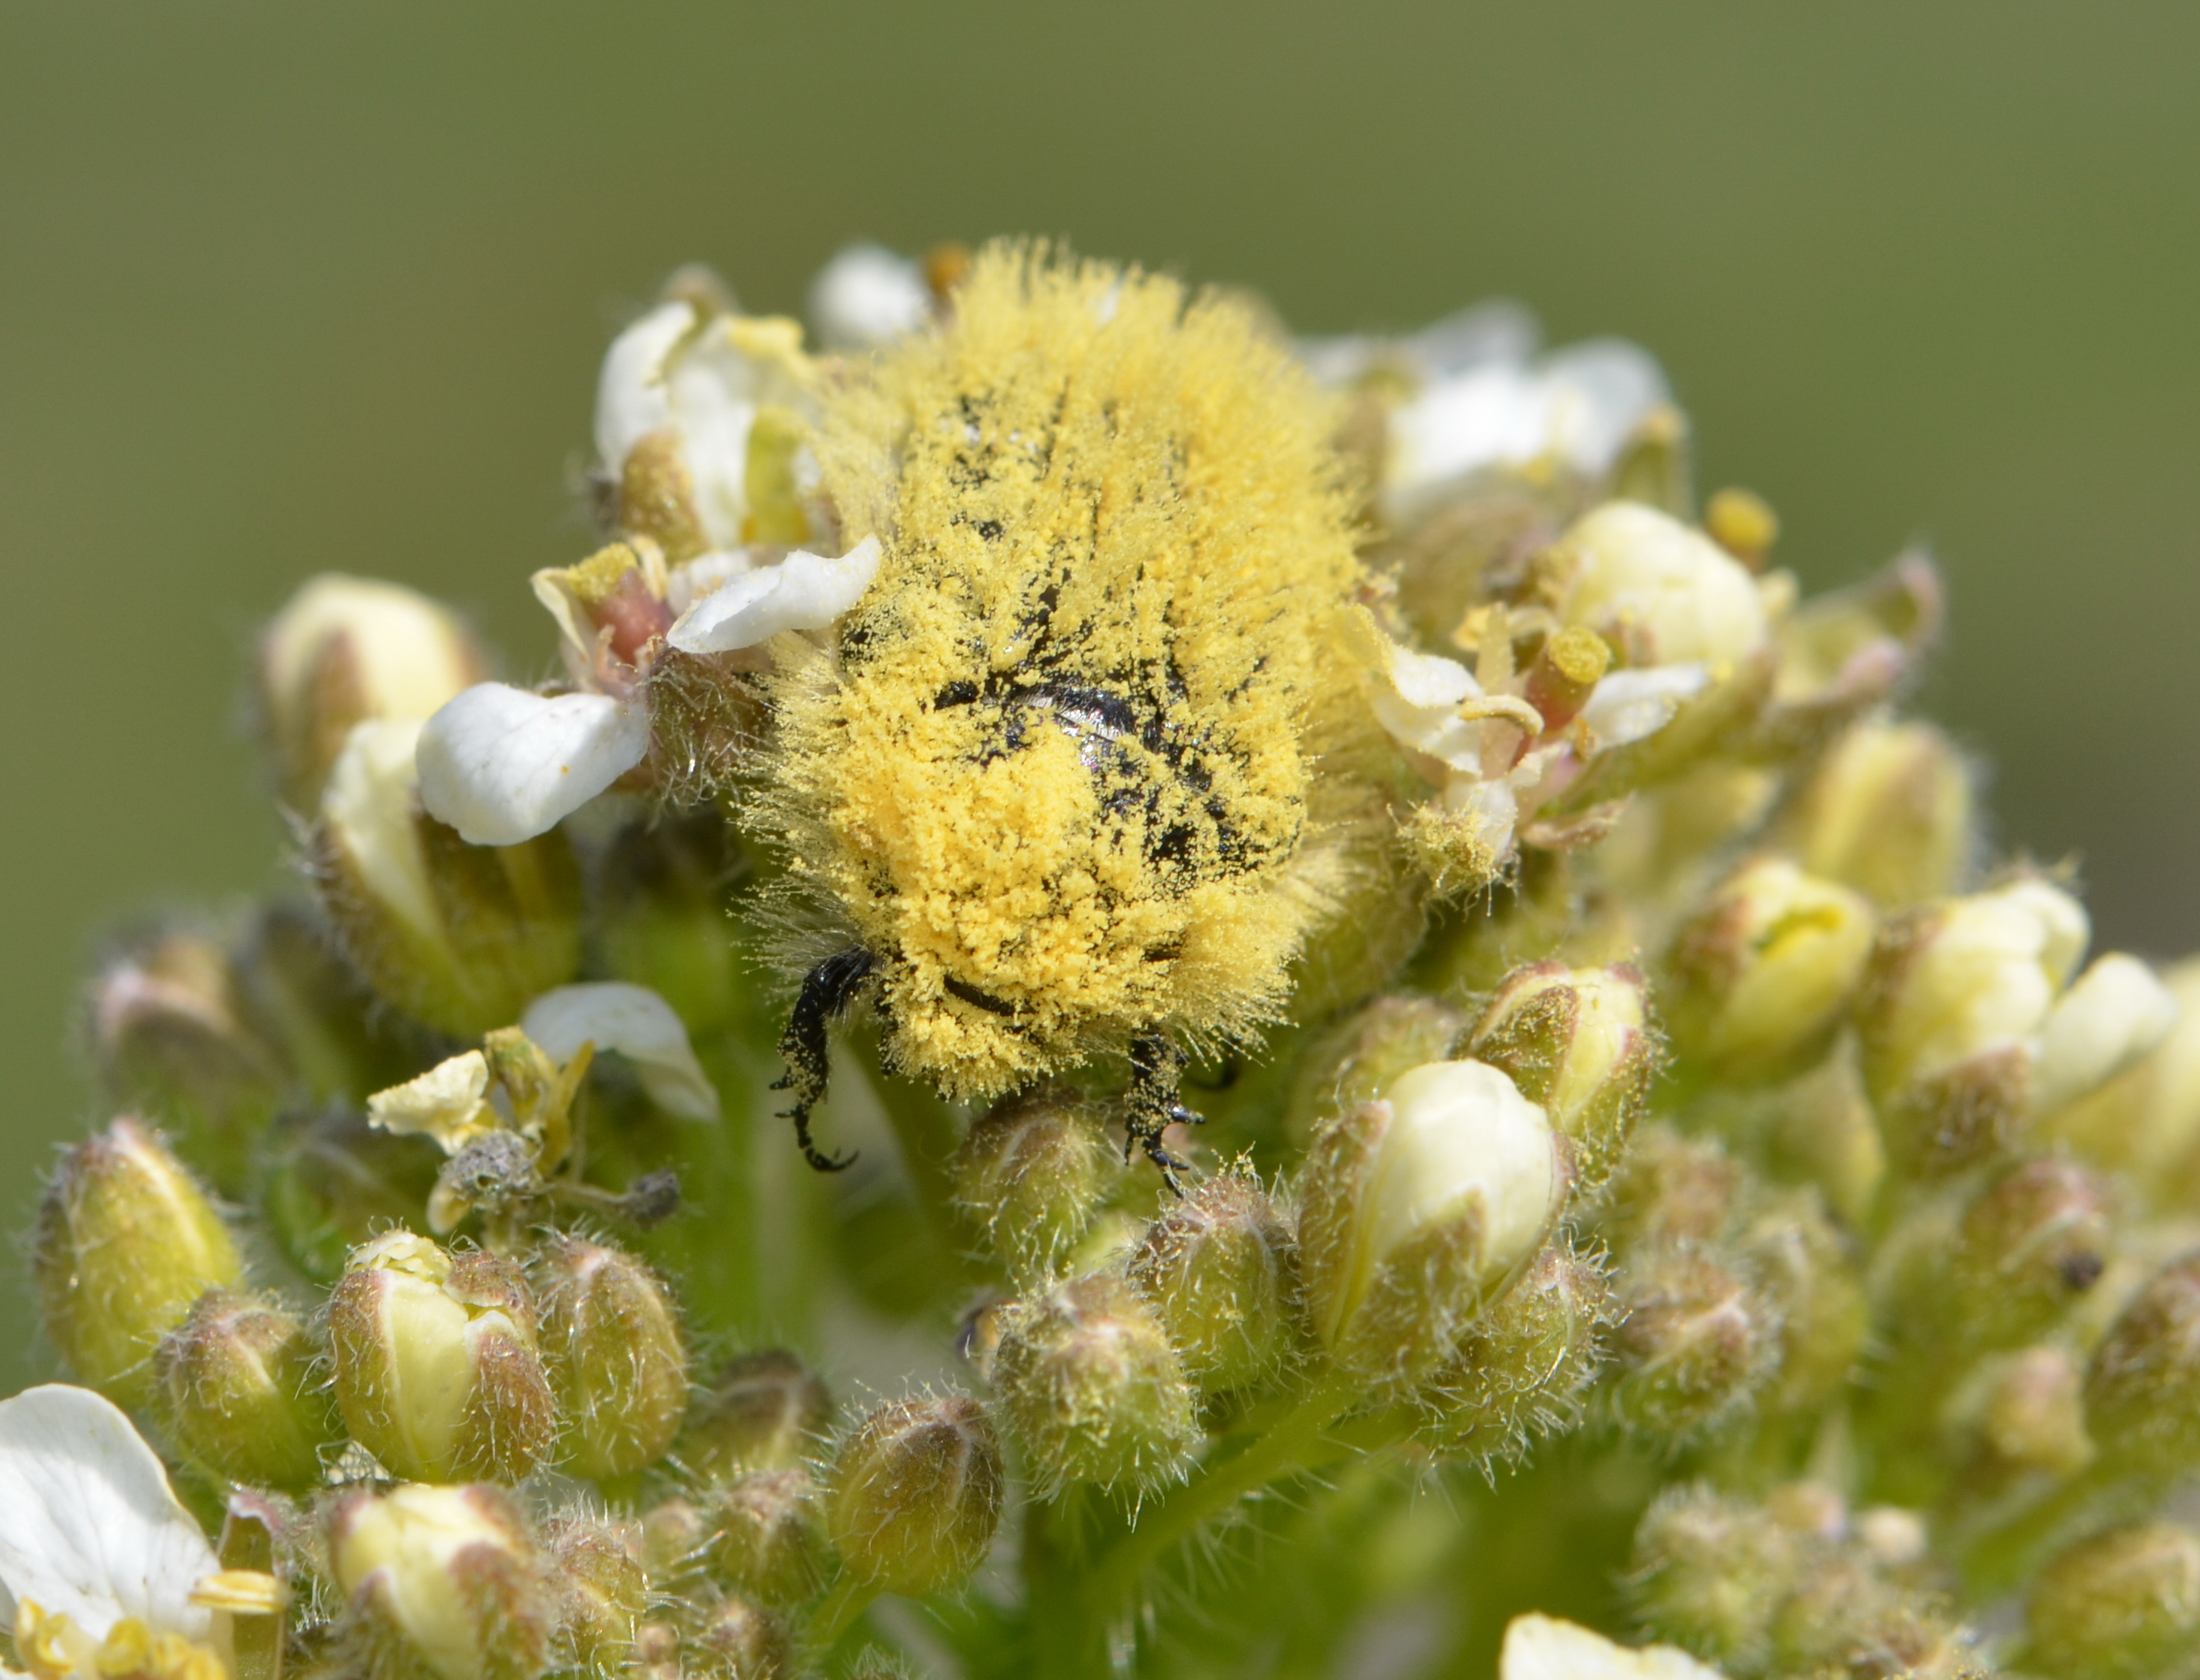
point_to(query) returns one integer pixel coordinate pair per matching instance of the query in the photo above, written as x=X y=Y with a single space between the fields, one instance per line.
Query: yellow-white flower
x=867 y=296
x=1543 y=1647
x=102 y=1569
x=633 y=1021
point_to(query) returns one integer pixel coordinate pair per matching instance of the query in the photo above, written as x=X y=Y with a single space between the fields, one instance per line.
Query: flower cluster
x=1407 y=1043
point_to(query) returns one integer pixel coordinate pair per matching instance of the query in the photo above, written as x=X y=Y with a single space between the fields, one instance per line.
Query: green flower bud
x=674 y=1532
x=1807 y=1276
x=1221 y=1269
x=1522 y=1369
x=2029 y=1245
x=1887 y=812
x=610 y=1336
x=2032 y=1414
x=335 y=1181
x=238 y=1387
x=1356 y=1059
x=170 y=1036
x=916 y=1494
x=2142 y=1388
x=1696 y=1341
x=1091 y=1387
x=739 y=1640
x=310 y=1006
x=1671 y=1188
x=1764 y=971
x=126 y=1242
x=1578 y=1042
x=346 y=650
x=1655 y=588
x=437 y=1372
x=1710 y=1573
x=1030 y=1174
x=595 y=1570
x=443 y=1582
x=1418 y=1209
x=460 y=937
x=766 y=1410
x=771 y=1545
x=2120 y=1606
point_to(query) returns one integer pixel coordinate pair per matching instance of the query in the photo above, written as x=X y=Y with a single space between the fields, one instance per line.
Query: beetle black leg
x=827 y=990
x=1155 y=1102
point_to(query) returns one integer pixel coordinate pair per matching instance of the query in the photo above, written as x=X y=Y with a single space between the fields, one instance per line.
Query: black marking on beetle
x=1154 y=1102
x=827 y=991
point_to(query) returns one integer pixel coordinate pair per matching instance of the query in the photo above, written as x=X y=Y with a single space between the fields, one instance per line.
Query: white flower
x=449 y=1103
x=95 y=1550
x=501 y=765
x=703 y=379
x=1542 y=1647
x=1664 y=591
x=1628 y=706
x=803 y=591
x=867 y=296
x=2115 y=1013
x=636 y=1023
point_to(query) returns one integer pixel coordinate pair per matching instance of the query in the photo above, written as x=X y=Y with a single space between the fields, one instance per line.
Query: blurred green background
x=287 y=288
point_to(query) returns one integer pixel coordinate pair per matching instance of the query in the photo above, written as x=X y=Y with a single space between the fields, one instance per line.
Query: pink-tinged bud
x=1696 y=1341
x=766 y=1411
x=1220 y=1269
x=437 y=1365
x=770 y=1543
x=1419 y=1208
x=916 y=1494
x=595 y=1571
x=238 y=1384
x=739 y=1640
x=610 y=1336
x=443 y=1582
x=125 y=1243
x=2120 y=1606
x=2143 y=1389
x=1092 y=1389
x=1578 y=1042
x=1030 y=1175
x=1887 y=812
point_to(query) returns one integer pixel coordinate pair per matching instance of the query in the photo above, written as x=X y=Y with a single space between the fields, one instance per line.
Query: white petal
x=867 y=296
x=638 y=1024
x=448 y=1103
x=2116 y=1013
x=501 y=765
x=803 y=591
x=632 y=399
x=1542 y=1647
x=1629 y=704
x=694 y=579
x=89 y=1526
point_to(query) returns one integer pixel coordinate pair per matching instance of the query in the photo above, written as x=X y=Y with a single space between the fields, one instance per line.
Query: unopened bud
x=1092 y=1388
x=1709 y=1574
x=460 y=937
x=740 y=1641
x=1671 y=1188
x=2119 y=1606
x=915 y=1495
x=346 y=651
x=126 y=1242
x=2142 y=1388
x=1695 y=1343
x=769 y=1544
x=1355 y=1060
x=596 y=1569
x=1766 y=969
x=1888 y=811
x=1522 y=1369
x=1650 y=585
x=437 y=1367
x=238 y=1385
x=1578 y=1041
x=335 y=1181
x=617 y=1362
x=2113 y=1016
x=1807 y=1276
x=443 y=1581
x=2034 y=1417
x=1220 y=1269
x=674 y=1532
x=311 y=1009
x=2033 y=1241
x=766 y=1411
x=1742 y=523
x=1417 y=1208
x=1029 y=1174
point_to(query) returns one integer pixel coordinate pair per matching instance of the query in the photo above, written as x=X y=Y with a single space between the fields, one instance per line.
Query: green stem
x=833 y=1618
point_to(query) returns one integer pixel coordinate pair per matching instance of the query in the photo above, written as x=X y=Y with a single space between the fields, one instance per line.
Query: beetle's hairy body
x=1057 y=777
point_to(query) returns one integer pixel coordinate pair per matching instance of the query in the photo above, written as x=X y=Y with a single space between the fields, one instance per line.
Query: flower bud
x=1662 y=592
x=459 y=937
x=436 y=1368
x=1419 y=1207
x=916 y=1494
x=2034 y=1417
x=350 y=649
x=170 y=1036
x=317 y=1017
x=739 y=1640
x=239 y=1386
x=126 y=1242
x=596 y=1569
x=443 y=1582
x=770 y=1546
x=1522 y=1367
x=1711 y=1572
x=1765 y=969
x=673 y=1533
x=2032 y=1243
x=1695 y=1341
x=1220 y=1271
x=335 y=1181
x=1030 y=1173
x=766 y=1410
x=1888 y=812
x=1091 y=1387
x=2119 y=1606
x=610 y=1336
x=1577 y=1042
x=1671 y=1188
x=1807 y=1277
x=2109 y=1020
x=1369 y=1049
x=2142 y=1388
